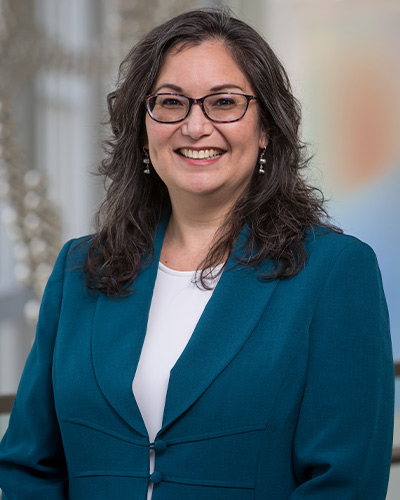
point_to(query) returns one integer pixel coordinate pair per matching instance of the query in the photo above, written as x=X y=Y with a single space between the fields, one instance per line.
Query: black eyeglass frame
x=200 y=102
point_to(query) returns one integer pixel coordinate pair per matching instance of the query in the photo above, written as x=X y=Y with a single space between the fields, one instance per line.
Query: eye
x=170 y=102
x=221 y=101
x=224 y=101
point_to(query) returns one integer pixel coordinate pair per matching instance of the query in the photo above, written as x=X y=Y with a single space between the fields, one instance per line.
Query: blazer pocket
x=93 y=450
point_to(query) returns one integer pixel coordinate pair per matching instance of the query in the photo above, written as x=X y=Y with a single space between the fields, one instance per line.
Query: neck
x=190 y=233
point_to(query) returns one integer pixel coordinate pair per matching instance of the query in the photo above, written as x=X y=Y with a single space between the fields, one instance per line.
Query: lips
x=201 y=154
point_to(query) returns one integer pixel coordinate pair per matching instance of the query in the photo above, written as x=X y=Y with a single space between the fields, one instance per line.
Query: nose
x=196 y=124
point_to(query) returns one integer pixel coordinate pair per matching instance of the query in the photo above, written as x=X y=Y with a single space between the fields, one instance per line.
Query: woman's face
x=195 y=72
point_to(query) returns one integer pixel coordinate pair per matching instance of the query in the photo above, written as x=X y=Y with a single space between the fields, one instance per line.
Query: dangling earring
x=262 y=161
x=146 y=161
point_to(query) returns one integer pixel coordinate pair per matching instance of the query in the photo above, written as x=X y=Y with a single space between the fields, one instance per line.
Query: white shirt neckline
x=173 y=272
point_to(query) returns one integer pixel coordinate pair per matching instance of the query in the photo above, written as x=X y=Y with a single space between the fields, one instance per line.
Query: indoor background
x=58 y=60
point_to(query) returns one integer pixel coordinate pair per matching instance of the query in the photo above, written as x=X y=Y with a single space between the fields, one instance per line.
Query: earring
x=146 y=161
x=262 y=161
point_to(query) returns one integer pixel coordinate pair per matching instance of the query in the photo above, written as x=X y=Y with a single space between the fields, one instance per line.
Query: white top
x=175 y=309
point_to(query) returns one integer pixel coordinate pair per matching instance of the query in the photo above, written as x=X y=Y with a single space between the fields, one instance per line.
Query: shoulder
x=326 y=247
x=71 y=259
x=338 y=259
x=74 y=252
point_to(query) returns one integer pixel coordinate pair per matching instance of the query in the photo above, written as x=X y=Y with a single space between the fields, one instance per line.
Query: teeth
x=200 y=154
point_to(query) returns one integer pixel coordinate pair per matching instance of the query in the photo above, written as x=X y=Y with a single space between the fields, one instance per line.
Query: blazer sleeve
x=343 y=442
x=32 y=462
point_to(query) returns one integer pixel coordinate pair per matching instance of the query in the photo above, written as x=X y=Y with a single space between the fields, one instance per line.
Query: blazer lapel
x=119 y=329
x=226 y=323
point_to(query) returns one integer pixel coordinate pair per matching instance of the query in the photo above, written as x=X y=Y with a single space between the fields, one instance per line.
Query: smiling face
x=198 y=157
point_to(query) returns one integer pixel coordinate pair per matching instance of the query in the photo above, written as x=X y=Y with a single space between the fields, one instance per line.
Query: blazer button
x=160 y=446
x=155 y=477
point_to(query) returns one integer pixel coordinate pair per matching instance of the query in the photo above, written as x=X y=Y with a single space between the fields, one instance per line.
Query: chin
x=199 y=188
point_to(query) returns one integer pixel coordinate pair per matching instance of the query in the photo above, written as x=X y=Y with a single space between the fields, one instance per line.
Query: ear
x=263 y=139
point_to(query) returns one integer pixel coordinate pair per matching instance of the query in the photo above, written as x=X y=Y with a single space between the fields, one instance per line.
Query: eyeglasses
x=221 y=107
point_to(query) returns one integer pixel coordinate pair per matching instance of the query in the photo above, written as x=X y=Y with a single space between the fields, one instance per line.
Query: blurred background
x=59 y=59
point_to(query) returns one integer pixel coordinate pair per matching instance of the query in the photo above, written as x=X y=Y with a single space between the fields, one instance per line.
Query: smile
x=200 y=154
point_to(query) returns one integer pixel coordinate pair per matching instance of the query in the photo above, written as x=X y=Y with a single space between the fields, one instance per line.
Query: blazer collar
x=119 y=329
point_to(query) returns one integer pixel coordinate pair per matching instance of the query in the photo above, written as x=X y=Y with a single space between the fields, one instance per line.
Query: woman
x=215 y=338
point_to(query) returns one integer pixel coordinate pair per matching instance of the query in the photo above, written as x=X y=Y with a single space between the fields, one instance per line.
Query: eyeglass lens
x=219 y=107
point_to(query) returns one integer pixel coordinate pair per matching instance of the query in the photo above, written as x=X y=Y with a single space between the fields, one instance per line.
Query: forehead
x=201 y=68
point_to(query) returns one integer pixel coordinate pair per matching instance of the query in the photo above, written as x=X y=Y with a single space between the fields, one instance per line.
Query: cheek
x=155 y=133
x=159 y=137
x=247 y=138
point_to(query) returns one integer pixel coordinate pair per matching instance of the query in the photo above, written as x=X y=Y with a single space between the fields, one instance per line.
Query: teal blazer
x=284 y=391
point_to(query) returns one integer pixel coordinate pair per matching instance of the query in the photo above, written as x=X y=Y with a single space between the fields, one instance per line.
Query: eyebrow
x=217 y=88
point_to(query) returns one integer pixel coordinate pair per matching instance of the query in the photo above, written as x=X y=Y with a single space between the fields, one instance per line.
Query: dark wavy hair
x=277 y=207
